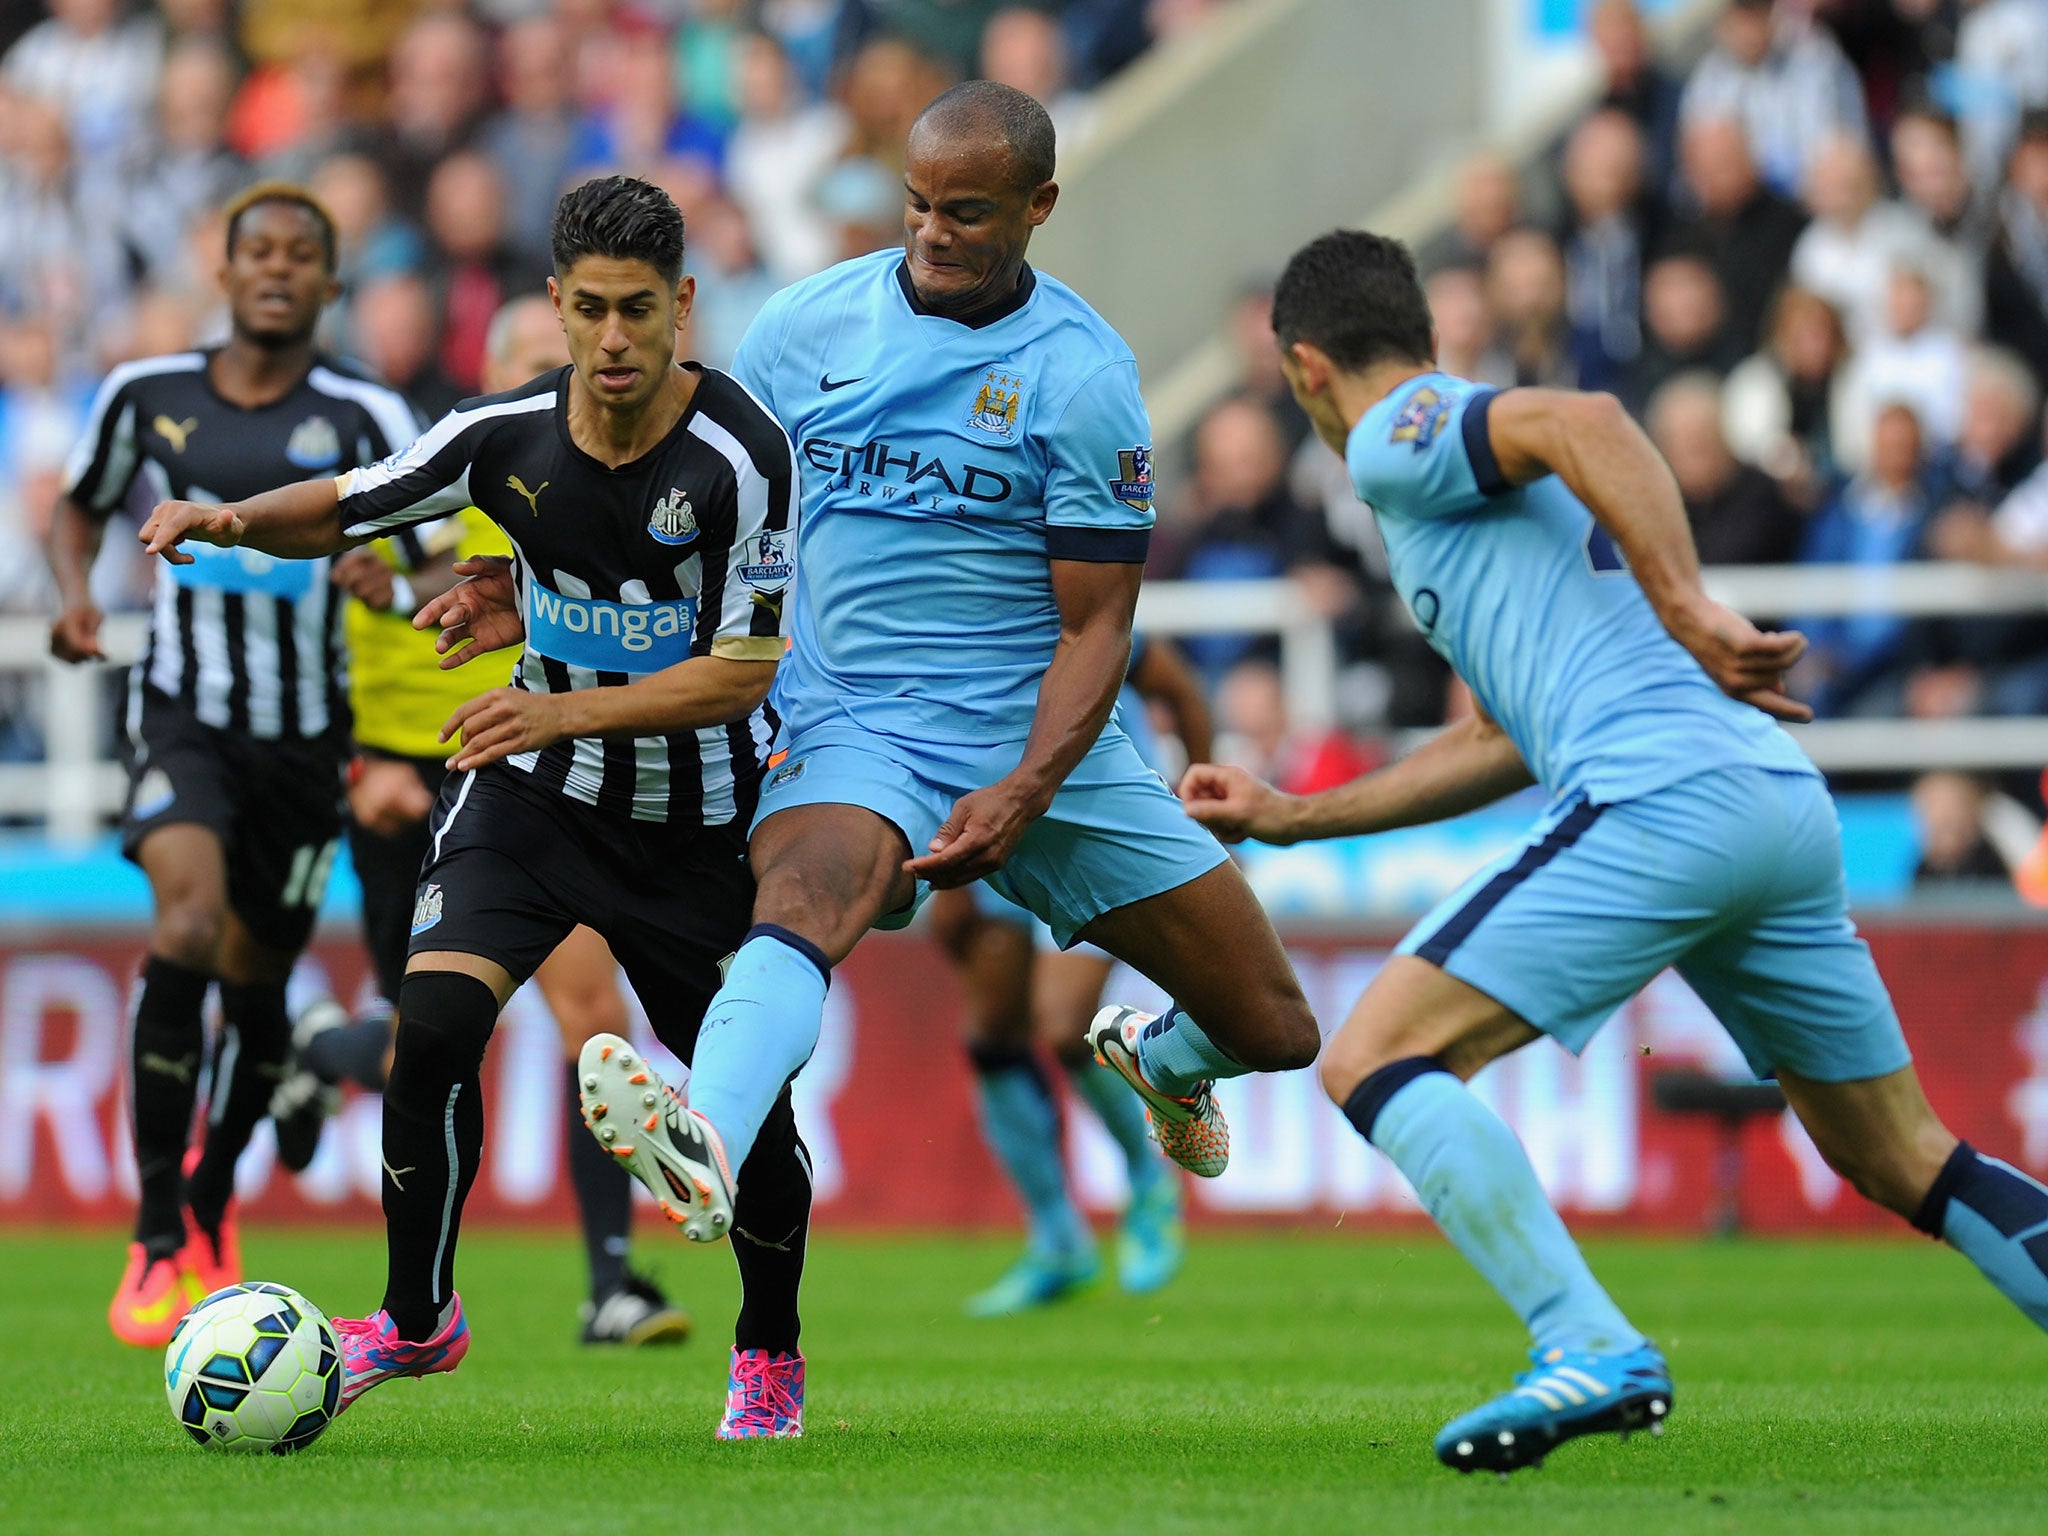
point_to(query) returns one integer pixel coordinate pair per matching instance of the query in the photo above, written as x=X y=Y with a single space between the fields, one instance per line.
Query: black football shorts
x=276 y=807
x=512 y=866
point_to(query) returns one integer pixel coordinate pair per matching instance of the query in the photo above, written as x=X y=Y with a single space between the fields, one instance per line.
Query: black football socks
x=169 y=1042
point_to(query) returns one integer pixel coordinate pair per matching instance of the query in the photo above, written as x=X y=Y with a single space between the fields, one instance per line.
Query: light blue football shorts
x=998 y=908
x=1114 y=834
x=1733 y=876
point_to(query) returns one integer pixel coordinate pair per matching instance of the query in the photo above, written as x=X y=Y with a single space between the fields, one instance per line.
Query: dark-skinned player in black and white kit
x=652 y=509
x=237 y=719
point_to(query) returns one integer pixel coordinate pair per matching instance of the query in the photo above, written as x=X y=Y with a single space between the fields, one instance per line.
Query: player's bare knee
x=1287 y=1040
x=188 y=933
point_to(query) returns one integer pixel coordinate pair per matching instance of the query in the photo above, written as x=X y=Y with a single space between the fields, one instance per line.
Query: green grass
x=1284 y=1384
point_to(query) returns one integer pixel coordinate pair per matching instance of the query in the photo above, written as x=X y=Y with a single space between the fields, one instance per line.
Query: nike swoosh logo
x=827 y=383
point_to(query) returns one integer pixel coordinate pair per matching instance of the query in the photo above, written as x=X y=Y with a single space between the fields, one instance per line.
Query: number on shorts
x=307 y=882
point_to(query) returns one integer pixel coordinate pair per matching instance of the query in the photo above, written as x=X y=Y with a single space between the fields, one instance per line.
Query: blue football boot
x=1036 y=1280
x=1568 y=1393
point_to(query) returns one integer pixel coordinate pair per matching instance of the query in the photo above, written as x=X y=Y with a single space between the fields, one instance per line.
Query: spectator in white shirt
x=1784 y=79
x=1936 y=187
x=1914 y=361
x=1847 y=253
x=776 y=157
x=97 y=69
x=2000 y=70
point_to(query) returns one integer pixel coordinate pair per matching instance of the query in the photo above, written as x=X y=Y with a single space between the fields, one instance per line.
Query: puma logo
x=394 y=1175
x=175 y=432
x=180 y=1069
x=769 y=601
x=761 y=1242
x=513 y=482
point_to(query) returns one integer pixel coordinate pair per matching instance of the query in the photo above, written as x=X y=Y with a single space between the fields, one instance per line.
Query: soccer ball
x=254 y=1367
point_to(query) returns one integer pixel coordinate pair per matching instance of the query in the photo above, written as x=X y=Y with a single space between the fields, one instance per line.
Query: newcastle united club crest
x=673 y=521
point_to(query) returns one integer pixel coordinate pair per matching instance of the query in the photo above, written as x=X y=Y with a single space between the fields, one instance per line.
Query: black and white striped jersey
x=689 y=550
x=246 y=642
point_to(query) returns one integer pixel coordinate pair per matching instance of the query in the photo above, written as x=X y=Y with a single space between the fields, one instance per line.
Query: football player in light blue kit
x=977 y=497
x=1019 y=992
x=1538 y=540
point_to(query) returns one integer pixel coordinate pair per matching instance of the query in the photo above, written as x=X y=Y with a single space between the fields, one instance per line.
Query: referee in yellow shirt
x=401 y=697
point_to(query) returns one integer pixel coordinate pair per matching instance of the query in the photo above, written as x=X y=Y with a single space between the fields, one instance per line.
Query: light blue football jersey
x=1524 y=594
x=944 y=466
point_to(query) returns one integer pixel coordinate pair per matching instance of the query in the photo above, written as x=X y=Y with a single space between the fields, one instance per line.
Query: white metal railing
x=80 y=785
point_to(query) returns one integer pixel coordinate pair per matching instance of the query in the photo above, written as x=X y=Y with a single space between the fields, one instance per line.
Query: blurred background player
x=1024 y=995
x=236 y=718
x=401 y=695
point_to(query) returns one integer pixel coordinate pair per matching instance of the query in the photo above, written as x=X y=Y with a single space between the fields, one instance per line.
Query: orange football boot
x=152 y=1299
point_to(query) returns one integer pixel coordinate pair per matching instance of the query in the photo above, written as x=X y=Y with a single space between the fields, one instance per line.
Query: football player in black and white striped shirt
x=238 y=719
x=652 y=509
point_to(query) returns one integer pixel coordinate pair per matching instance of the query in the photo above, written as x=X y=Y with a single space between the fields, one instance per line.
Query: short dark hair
x=288 y=192
x=622 y=217
x=1003 y=112
x=1357 y=297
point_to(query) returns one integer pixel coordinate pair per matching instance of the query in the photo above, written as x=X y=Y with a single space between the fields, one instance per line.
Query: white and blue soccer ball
x=254 y=1367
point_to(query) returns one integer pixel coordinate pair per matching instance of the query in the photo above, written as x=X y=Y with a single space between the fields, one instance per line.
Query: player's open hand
x=501 y=724
x=363 y=576
x=1235 y=804
x=172 y=522
x=978 y=838
x=75 y=635
x=479 y=613
x=1745 y=662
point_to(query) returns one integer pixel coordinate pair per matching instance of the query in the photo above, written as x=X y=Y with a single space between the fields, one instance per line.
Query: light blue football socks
x=1176 y=1056
x=1020 y=1120
x=1473 y=1177
x=759 y=1029
x=1122 y=1114
x=1996 y=1217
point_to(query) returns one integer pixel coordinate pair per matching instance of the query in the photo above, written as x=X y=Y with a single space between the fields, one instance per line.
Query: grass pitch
x=1284 y=1384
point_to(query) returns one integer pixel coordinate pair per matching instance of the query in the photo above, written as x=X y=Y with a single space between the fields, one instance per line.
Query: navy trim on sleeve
x=1101 y=546
x=1479 y=445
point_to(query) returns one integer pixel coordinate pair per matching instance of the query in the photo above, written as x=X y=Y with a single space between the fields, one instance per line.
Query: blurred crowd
x=1815 y=266
x=440 y=135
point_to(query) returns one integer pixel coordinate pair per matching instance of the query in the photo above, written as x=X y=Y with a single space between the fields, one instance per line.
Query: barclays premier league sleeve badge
x=1133 y=483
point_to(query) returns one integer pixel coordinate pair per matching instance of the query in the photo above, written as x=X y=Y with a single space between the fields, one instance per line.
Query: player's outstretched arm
x=1470 y=764
x=1095 y=600
x=293 y=522
x=1589 y=442
x=689 y=696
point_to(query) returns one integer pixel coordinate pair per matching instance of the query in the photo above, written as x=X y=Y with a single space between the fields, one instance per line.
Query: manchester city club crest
x=314 y=444
x=672 y=521
x=996 y=404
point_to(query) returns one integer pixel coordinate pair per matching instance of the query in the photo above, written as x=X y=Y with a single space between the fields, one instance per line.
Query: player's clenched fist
x=478 y=614
x=501 y=724
x=172 y=522
x=1745 y=662
x=1236 y=805
x=75 y=636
